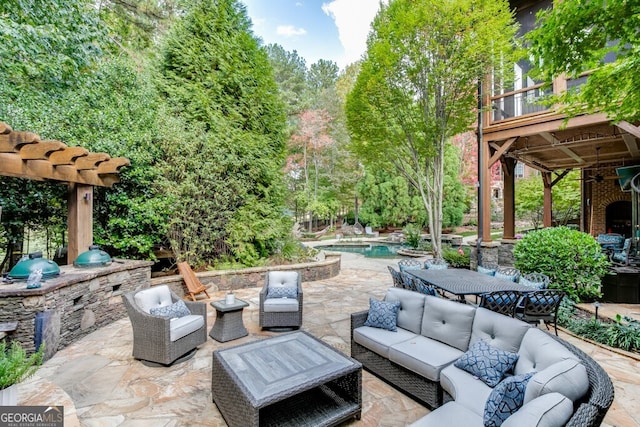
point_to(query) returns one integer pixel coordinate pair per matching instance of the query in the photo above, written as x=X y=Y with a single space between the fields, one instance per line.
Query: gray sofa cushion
x=567 y=377
x=424 y=356
x=280 y=305
x=498 y=330
x=447 y=321
x=379 y=340
x=467 y=390
x=550 y=410
x=539 y=351
x=450 y=414
x=411 y=308
x=183 y=326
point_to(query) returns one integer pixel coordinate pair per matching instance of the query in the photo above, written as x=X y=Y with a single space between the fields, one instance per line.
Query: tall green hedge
x=572 y=259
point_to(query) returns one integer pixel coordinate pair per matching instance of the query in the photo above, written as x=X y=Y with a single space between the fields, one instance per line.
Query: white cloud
x=290 y=30
x=353 y=19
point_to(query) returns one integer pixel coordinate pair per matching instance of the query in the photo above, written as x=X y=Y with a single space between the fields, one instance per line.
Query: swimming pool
x=374 y=250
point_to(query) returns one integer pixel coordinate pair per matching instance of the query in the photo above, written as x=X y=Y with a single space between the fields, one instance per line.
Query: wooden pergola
x=25 y=155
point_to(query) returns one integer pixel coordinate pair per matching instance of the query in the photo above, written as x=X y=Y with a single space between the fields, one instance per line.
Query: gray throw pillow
x=505 y=399
x=177 y=309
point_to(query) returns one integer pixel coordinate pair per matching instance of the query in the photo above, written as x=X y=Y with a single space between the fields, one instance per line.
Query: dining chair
x=541 y=306
x=508 y=273
x=395 y=276
x=503 y=302
x=409 y=264
x=436 y=264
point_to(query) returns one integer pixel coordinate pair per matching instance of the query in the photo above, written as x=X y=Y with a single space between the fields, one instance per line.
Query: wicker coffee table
x=289 y=380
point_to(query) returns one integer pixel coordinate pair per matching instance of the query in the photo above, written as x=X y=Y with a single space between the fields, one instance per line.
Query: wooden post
x=79 y=220
x=485 y=187
x=547 y=199
x=509 y=209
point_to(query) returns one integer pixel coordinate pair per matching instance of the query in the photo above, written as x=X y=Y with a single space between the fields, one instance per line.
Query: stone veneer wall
x=223 y=280
x=72 y=305
x=500 y=253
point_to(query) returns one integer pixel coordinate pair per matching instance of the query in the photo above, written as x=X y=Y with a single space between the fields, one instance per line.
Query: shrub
x=456 y=259
x=412 y=235
x=15 y=365
x=572 y=259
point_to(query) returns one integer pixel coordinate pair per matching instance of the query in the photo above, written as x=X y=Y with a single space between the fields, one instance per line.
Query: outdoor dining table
x=461 y=282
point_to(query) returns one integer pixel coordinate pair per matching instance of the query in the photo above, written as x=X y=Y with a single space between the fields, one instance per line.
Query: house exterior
x=516 y=129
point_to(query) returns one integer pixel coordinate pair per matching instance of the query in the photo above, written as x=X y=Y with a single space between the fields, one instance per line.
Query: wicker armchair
x=162 y=339
x=281 y=312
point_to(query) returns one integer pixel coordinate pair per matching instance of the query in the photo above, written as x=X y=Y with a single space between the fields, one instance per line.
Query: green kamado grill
x=94 y=257
x=31 y=263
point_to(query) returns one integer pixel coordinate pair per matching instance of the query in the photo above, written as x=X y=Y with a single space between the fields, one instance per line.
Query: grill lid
x=94 y=257
x=31 y=263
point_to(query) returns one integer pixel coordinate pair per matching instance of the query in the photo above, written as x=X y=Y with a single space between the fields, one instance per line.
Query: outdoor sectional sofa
x=565 y=385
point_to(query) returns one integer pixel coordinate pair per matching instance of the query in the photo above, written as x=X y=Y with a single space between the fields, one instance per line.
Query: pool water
x=369 y=251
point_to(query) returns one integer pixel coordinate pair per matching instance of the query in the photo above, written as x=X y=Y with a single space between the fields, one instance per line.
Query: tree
x=566 y=199
x=224 y=158
x=578 y=36
x=417 y=86
x=290 y=74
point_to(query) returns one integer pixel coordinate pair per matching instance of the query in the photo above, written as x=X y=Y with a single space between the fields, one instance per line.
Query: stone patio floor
x=100 y=384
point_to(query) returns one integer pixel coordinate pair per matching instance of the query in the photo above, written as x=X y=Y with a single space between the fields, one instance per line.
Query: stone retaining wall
x=223 y=280
x=72 y=305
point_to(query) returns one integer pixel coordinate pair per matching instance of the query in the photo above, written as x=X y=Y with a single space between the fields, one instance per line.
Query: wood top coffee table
x=288 y=380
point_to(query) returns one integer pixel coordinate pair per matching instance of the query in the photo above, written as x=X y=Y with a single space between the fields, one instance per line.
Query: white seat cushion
x=450 y=414
x=550 y=410
x=158 y=296
x=279 y=305
x=424 y=356
x=379 y=340
x=466 y=389
x=183 y=326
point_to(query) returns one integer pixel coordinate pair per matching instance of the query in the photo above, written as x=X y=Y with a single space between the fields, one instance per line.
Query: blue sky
x=317 y=29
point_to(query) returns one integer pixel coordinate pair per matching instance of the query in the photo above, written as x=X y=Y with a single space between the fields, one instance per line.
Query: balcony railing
x=518 y=103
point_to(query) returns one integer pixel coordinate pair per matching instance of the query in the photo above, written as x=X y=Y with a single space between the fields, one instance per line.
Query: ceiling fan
x=598 y=177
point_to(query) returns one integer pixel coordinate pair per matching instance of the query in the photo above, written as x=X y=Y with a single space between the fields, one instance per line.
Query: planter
x=9 y=396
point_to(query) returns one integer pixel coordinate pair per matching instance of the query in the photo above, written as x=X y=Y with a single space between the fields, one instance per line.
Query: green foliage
x=576 y=36
x=412 y=235
x=417 y=88
x=15 y=365
x=572 y=259
x=225 y=150
x=454 y=258
x=566 y=199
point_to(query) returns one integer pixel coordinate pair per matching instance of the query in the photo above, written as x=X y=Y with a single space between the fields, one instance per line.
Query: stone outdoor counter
x=71 y=305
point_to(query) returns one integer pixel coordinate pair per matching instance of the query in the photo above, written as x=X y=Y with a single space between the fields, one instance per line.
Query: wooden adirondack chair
x=194 y=286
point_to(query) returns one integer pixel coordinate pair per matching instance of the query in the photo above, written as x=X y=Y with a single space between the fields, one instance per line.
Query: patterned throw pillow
x=282 y=292
x=177 y=309
x=505 y=399
x=487 y=363
x=383 y=314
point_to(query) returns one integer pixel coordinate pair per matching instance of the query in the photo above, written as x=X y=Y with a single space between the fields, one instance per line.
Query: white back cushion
x=158 y=296
x=538 y=351
x=498 y=330
x=411 y=308
x=447 y=321
x=283 y=278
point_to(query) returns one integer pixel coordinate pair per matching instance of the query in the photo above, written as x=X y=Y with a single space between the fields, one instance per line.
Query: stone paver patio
x=100 y=384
